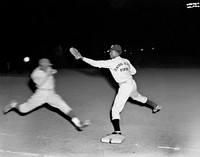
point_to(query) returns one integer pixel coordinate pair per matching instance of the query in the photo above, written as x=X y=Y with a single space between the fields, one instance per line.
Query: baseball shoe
x=84 y=124
x=10 y=106
x=157 y=109
x=115 y=133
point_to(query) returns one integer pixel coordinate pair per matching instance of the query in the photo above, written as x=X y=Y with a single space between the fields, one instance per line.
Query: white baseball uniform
x=45 y=92
x=122 y=71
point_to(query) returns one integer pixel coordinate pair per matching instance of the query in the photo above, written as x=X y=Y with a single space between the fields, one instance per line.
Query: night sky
x=49 y=28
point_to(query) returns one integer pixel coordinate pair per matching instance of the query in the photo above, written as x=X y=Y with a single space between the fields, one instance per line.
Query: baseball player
x=122 y=71
x=43 y=77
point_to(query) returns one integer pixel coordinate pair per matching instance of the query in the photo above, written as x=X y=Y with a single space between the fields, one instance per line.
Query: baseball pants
x=126 y=90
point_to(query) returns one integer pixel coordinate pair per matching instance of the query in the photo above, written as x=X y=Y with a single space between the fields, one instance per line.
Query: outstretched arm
x=99 y=64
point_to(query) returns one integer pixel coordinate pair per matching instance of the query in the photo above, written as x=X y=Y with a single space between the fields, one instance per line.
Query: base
x=113 y=138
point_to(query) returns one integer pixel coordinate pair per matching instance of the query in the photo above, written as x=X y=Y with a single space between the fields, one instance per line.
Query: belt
x=122 y=82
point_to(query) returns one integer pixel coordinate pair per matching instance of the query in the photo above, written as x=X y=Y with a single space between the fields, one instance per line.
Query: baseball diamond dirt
x=172 y=132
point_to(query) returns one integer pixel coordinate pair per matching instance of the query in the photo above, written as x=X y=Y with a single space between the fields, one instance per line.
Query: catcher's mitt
x=75 y=53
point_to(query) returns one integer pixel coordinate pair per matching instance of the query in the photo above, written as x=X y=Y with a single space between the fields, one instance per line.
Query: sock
x=151 y=103
x=116 y=125
x=15 y=106
x=76 y=121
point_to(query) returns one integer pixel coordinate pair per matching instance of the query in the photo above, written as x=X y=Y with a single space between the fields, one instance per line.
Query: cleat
x=115 y=133
x=83 y=125
x=10 y=106
x=157 y=109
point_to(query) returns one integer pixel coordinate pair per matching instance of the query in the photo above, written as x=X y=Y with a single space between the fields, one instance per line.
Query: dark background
x=154 y=33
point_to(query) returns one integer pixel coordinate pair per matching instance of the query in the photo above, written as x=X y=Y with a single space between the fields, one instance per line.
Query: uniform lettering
x=120 y=65
x=124 y=69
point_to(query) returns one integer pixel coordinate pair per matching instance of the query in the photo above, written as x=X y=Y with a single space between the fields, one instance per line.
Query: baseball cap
x=116 y=47
x=44 y=61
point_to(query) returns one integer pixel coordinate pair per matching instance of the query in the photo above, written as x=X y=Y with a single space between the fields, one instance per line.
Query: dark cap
x=116 y=47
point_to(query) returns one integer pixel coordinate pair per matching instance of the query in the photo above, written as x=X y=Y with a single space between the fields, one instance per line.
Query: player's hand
x=52 y=71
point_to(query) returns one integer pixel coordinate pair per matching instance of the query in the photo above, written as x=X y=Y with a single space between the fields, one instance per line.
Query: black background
x=49 y=28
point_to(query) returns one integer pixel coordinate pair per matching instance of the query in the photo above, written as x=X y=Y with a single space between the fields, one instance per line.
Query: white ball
x=26 y=59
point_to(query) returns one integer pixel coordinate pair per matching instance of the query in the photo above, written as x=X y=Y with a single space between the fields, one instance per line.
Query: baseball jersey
x=42 y=79
x=120 y=68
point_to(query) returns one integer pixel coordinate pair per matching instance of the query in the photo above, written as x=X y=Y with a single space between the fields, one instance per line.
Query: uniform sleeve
x=99 y=64
x=37 y=78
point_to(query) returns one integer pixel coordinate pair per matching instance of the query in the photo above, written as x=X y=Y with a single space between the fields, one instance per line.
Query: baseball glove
x=75 y=53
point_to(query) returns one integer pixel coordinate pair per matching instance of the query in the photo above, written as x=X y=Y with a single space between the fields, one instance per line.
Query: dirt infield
x=174 y=131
